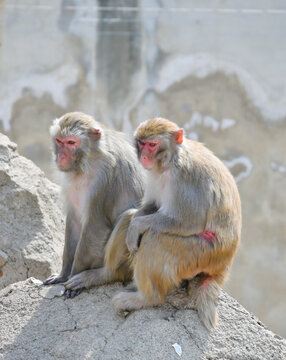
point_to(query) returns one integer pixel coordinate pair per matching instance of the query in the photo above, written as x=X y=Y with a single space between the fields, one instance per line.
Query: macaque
x=101 y=180
x=188 y=227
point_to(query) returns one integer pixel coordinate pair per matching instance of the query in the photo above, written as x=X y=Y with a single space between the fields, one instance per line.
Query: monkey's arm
x=162 y=223
x=88 y=256
x=90 y=249
x=72 y=234
x=132 y=238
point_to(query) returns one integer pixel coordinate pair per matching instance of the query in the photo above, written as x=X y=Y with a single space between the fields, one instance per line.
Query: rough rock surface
x=36 y=322
x=31 y=222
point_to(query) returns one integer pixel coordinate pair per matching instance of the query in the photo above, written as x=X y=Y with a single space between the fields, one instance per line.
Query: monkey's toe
x=70 y=294
x=54 y=279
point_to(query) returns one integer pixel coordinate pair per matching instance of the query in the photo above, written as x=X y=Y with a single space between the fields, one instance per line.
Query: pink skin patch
x=66 y=149
x=148 y=151
x=210 y=236
x=205 y=282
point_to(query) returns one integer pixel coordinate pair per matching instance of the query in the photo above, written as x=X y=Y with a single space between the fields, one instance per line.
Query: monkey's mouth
x=65 y=166
x=147 y=162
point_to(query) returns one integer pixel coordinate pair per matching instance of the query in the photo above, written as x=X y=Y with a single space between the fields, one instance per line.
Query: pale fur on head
x=79 y=125
x=74 y=123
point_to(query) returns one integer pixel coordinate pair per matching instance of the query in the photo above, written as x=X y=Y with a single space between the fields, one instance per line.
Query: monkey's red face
x=66 y=150
x=148 y=151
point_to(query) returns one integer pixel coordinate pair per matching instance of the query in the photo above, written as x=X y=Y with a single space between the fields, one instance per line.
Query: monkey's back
x=126 y=187
x=215 y=189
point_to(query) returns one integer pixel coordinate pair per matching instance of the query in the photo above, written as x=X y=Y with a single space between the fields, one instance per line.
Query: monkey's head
x=73 y=135
x=156 y=141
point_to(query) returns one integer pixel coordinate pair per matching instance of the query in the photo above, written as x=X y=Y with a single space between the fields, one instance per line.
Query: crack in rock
x=191 y=336
x=71 y=316
x=108 y=338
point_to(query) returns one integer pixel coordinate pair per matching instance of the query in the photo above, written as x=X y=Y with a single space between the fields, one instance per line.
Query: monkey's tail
x=204 y=291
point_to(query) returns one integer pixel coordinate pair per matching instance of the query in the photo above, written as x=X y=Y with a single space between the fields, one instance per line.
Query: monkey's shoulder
x=200 y=165
x=118 y=144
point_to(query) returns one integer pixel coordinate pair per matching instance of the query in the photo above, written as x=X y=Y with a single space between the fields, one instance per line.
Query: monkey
x=187 y=228
x=101 y=179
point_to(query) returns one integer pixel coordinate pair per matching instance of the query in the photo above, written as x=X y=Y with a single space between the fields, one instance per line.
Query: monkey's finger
x=67 y=293
x=70 y=294
x=132 y=249
x=53 y=279
x=75 y=293
x=132 y=246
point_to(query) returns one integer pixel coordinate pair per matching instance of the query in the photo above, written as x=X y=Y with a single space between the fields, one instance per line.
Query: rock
x=3 y=258
x=32 y=221
x=37 y=323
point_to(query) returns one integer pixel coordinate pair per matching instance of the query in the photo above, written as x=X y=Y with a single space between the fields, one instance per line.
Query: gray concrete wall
x=217 y=68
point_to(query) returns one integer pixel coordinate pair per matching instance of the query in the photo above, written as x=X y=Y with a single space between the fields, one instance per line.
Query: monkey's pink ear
x=96 y=133
x=179 y=136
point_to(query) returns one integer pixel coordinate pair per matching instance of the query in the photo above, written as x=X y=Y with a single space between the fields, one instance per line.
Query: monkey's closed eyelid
x=58 y=141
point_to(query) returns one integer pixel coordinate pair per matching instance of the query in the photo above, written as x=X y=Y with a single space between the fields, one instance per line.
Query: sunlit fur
x=149 y=129
x=192 y=194
x=104 y=181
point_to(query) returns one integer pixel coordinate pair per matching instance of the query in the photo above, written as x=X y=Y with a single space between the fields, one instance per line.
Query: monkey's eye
x=71 y=142
x=141 y=143
x=152 y=144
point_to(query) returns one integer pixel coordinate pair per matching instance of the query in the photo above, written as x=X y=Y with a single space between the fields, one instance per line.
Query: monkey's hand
x=76 y=282
x=136 y=228
x=74 y=285
x=55 y=279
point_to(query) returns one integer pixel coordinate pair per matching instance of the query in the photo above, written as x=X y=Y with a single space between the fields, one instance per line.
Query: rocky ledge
x=37 y=322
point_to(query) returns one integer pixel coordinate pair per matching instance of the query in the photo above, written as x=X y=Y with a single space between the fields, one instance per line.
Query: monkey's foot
x=70 y=294
x=76 y=282
x=74 y=287
x=127 y=301
x=54 y=279
x=89 y=278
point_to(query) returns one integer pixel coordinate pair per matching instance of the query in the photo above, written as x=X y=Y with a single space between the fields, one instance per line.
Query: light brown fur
x=155 y=126
x=173 y=249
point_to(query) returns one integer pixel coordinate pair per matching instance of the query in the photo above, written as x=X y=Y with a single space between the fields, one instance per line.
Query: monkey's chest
x=78 y=195
x=157 y=190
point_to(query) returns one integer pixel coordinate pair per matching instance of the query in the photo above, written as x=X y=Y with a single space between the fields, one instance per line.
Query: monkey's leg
x=89 y=254
x=163 y=261
x=154 y=275
x=72 y=234
x=117 y=254
x=117 y=260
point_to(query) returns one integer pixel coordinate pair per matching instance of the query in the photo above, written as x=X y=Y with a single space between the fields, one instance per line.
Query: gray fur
x=194 y=187
x=109 y=165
